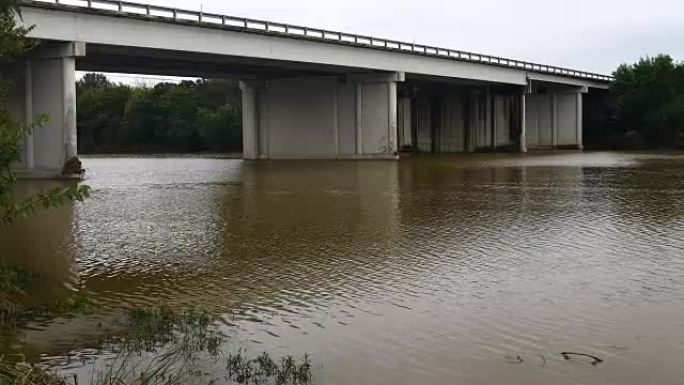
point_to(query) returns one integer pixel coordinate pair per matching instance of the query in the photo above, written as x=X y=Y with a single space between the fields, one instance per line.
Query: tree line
x=191 y=116
x=643 y=109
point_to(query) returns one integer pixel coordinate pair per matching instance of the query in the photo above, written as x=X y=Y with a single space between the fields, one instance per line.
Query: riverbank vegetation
x=13 y=283
x=159 y=346
x=644 y=108
x=203 y=115
x=151 y=346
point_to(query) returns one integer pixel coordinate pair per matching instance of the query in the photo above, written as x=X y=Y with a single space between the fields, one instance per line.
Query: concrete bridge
x=306 y=93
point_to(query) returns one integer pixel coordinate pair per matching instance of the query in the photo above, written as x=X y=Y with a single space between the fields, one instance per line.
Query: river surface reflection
x=476 y=269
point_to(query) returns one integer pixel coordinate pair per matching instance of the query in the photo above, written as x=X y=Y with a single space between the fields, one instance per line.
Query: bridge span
x=306 y=93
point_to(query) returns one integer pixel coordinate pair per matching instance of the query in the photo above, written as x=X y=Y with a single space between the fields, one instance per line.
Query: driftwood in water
x=567 y=355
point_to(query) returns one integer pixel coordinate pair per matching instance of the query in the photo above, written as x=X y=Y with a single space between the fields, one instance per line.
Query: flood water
x=472 y=269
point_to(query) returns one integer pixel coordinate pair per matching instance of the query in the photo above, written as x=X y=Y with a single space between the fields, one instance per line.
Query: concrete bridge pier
x=48 y=86
x=446 y=118
x=553 y=116
x=323 y=117
x=452 y=118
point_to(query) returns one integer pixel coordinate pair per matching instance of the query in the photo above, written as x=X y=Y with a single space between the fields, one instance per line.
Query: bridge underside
x=443 y=117
x=298 y=110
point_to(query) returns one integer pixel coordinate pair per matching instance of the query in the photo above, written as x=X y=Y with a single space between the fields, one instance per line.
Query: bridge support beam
x=49 y=87
x=328 y=117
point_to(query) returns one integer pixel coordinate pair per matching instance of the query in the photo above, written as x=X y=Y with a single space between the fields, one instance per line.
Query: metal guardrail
x=269 y=27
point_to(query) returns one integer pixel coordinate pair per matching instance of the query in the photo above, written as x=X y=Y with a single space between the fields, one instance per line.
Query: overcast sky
x=591 y=35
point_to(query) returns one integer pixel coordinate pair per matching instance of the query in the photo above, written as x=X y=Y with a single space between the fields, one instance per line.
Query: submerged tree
x=13 y=46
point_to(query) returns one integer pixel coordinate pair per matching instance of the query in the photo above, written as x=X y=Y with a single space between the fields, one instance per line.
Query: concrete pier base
x=48 y=88
x=46 y=174
x=463 y=117
x=326 y=117
x=553 y=117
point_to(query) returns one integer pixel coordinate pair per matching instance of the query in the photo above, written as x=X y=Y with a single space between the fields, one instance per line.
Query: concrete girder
x=108 y=30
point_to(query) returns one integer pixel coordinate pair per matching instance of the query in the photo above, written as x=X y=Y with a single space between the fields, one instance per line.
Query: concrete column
x=474 y=123
x=580 y=127
x=495 y=127
x=336 y=120
x=392 y=134
x=523 y=123
x=321 y=117
x=250 y=119
x=554 y=120
x=404 y=121
x=69 y=107
x=51 y=90
x=489 y=119
x=359 y=109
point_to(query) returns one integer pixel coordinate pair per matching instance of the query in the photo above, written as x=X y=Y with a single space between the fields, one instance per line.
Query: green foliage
x=14 y=280
x=647 y=101
x=77 y=303
x=163 y=347
x=13 y=45
x=93 y=81
x=188 y=331
x=13 y=283
x=190 y=116
x=220 y=128
x=100 y=114
x=176 y=338
x=264 y=370
x=11 y=210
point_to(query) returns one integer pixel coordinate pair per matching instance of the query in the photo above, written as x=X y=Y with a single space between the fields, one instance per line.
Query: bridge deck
x=210 y=20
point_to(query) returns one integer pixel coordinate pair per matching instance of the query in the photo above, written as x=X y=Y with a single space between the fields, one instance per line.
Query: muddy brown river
x=472 y=269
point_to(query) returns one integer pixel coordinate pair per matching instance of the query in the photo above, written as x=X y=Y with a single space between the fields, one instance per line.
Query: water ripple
x=428 y=270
